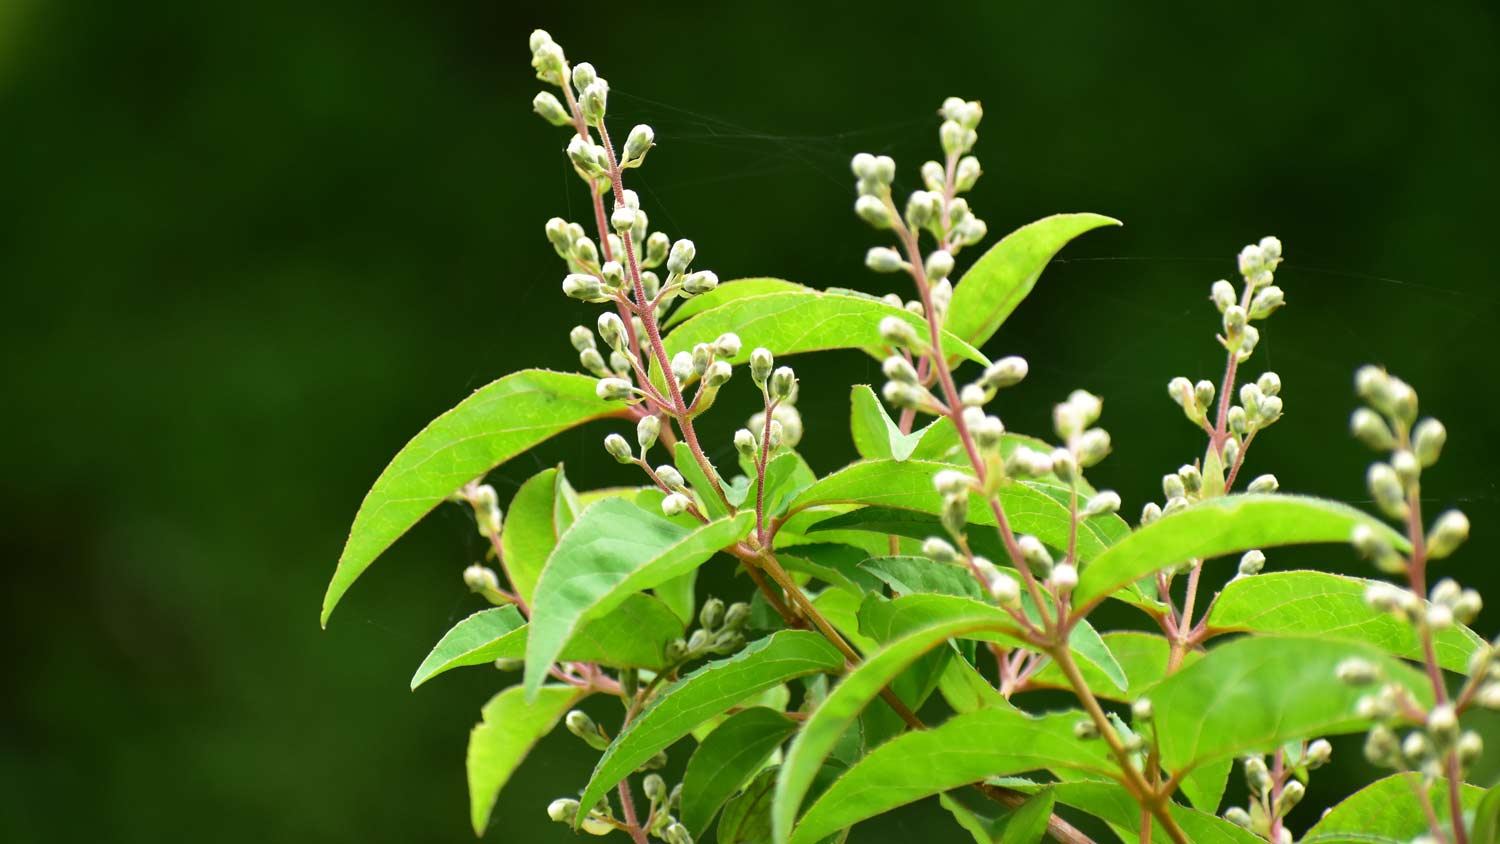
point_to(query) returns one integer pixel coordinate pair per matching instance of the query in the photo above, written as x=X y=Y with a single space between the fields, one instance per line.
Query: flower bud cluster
x=1259 y=299
x=1273 y=795
x=720 y=633
x=599 y=821
x=779 y=388
x=936 y=208
x=1389 y=423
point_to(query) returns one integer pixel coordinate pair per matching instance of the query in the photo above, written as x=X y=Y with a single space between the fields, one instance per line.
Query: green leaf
x=786 y=475
x=919 y=575
x=1205 y=784
x=499 y=743
x=613 y=549
x=1141 y=656
x=966 y=690
x=1315 y=603
x=1112 y=803
x=631 y=635
x=1218 y=527
x=1003 y=276
x=907 y=485
x=707 y=692
x=834 y=564
x=532 y=526
x=806 y=320
x=747 y=817
x=1256 y=692
x=728 y=291
x=1387 y=811
x=497 y=422
x=965 y=749
x=822 y=730
x=1487 y=819
x=1028 y=823
x=877 y=436
x=727 y=759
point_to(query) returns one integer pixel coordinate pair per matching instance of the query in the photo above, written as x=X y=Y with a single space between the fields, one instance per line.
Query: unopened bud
x=1064 y=578
x=1105 y=501
x=1034 y=552
x=783 y=382
x=1291 y=794
x=1150 y=513
x=1266 y=302
x=898 y=368
x=745 y=443
x=967 y=174
x=1142 y=710
x=1368 y=427
x=1318 y=754
x=646 y=432
x=613 y=389
x=583 y=287
x=1093 y=446
x=562 y=810
x=1355 y=671
x=761 y=362
x=1005 y=372
x=939 y=265
x=640 y=140
x=1264 y=484
x=895 y=331
x=1252 y=562
x=480 y=578
x=1387 y=490
x=873 y=210
x=581 y=338
x=681 y=256
x=552 y=111
x=700 y=282
x=618 y=448
x=675 y=504
x=718 y=374
x=1223 y=295
x=1085 y=731
x=1449 y=531
x=939 y=550
x=1428 y=439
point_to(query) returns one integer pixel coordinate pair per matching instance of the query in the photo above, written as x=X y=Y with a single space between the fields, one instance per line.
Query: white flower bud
x=657 y=247
x=614 y=275
x=562 y=810
x=675 y=504
x=1064 y=578
x=1408 y=469
x=1063 y=465
x=700 y=282
x=1266 y=302
x=1005 y=372
x=1489 y=696
x=1264 y=484
x=783 y=382
x=883 y=259
x=1374 y=547
x=1318 y=754
x=873 y=210
x=1192 y=479
x=745 y=443
x=612 y=329
x=552 y=111
x=1428 y=439
x=718 y=374
x=682 y=366
x=1203 y=393
x=934 y=177
x=1142 y=710
x=613 y=389
x=761 y=362
x=973 y=395
x=540 y=38
x=1223 y=295
x=681 y=256
x=1104 y=501
x=581 y=338
x=1172 y=486
x=594 y=100
x=1150 y=513
x=1238 y=423
x=670 y=477
x=1003 y=588
x=952 y=482
x=1026 y=463
x=987 y=430
x=1093 y=446
x=1386 y=487
x=1291 y=795
x=1252 y=562
x=939 y=550
x=618 y=448
x=587 y=157
x=1034 y=552
x=1355 y=671
x=1368 y=427
x=939 y=265
x=863 y=165
x=583 y=287
x=898 y=368
x=480 y=578
x=895 y=331
x=967 y=174
x=646 y=432
x=1238 y=816
x=922 y=207
x=1449 y=531
x=640 y=141
x=1085 y=731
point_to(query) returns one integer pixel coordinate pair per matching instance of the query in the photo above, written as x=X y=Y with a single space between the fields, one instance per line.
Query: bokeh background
x=248 y=249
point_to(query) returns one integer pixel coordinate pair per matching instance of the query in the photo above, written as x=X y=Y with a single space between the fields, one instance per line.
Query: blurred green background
x=249 y=249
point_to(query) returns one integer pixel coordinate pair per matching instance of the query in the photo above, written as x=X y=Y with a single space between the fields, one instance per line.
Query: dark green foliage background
x=249 y=249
